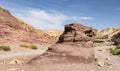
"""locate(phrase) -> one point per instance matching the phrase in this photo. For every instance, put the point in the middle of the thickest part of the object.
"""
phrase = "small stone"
(108, 64)
(99, 49)
(16, 61)
(107, 59)
(101, 63)
(96, 59)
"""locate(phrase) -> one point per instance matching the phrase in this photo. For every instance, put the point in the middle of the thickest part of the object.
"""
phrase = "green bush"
(115, 51)
(5, 48)
(29, 46)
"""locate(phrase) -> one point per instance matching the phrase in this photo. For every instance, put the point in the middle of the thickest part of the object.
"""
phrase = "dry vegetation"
(5, 48)
(114, 51)
(31, 46)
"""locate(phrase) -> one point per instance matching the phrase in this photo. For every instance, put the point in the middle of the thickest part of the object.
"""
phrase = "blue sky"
(54, 14)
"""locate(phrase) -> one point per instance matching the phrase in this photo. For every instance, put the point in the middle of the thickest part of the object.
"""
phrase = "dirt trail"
(100, 53)
(17, 51)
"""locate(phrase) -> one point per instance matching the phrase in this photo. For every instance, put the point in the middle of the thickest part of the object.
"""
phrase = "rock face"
(74, 45)
(13, 30)
(77, 33)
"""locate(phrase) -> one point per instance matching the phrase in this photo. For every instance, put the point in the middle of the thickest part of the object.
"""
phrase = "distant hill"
(13, 30)
(54, 33)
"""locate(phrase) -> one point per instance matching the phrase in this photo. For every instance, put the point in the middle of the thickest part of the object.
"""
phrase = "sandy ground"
(17, 51)
(7, 61)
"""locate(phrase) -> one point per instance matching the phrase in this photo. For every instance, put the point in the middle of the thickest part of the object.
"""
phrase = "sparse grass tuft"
(115, 51)
(29, 46)
(5, 48)
(33, 46)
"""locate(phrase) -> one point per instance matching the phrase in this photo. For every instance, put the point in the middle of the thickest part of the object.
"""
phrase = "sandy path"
(17, 51)
(100, 53)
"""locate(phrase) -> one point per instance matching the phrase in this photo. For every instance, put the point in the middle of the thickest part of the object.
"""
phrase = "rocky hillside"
(108, 33)
(107, 36)
(13, 30)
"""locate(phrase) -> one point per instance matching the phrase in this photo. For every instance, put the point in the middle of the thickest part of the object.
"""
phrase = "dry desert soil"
(17, 61)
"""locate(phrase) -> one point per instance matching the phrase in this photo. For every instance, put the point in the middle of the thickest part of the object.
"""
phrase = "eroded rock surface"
(77, 33)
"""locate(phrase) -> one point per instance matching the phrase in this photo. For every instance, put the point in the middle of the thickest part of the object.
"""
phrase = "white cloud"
(42, 19)
(85, 18)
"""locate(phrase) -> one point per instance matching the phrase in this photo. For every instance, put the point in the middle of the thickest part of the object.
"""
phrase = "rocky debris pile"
(74, 45)
(13, 30)
(116, 38)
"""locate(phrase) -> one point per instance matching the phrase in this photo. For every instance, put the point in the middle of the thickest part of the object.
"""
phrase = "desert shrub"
(31, 46)
(24, 45)
(5, 48)
(115, 51)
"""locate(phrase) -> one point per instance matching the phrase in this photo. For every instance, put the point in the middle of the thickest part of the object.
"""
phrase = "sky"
(54, 14)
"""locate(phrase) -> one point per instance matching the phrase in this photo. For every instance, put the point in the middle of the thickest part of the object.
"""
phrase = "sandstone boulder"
(77, 33)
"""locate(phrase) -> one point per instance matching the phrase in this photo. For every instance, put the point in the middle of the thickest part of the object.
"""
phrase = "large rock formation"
(77, 33)
(74, 45)
(13, 30)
